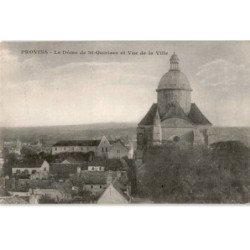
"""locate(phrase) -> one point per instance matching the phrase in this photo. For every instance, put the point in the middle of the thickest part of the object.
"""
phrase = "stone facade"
(118, 150)
(99, 147)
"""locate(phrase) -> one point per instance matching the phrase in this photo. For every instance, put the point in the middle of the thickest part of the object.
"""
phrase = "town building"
(174, 117)
(103, 148)
(118, 150)
(96, 168)
(50, 193)
(97, 181)
(99, 147)
(39, 169)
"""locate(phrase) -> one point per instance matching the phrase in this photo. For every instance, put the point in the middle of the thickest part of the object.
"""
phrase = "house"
(99, 147)
(54, 194)
(94, 181)
(113, 195)
(97, 181)
(39, 169)
(96, 168)
(118, 150)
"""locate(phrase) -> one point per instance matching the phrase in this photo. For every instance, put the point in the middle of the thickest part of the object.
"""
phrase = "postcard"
(125, 122)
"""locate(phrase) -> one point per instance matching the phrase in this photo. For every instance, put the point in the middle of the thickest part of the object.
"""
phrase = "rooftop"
(77, 143)
(195, 116)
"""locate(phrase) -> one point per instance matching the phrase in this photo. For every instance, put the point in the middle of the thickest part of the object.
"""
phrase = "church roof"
(197, 117)
(174, 79)
(148, 119)
(175, 110)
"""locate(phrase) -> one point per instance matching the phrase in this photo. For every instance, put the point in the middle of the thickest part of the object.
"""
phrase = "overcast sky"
(49, 89)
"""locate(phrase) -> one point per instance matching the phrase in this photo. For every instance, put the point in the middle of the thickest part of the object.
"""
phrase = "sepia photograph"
(125, 122)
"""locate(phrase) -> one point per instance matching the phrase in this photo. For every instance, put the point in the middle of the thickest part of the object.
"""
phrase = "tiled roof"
(28, 164)
(96, 177)
(66, 169)
(197, 117)
(148, 119)
(78, 143)
(118, 141)
(175, 111)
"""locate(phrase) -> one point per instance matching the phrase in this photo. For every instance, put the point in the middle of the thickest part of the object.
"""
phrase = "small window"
(100, 186)
(55, 149)
(91, 186)
(44, 169)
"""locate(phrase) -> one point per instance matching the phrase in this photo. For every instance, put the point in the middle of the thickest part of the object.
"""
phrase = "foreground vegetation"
(218, 174)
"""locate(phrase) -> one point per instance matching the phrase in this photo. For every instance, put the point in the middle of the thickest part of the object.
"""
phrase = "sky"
(66, 89)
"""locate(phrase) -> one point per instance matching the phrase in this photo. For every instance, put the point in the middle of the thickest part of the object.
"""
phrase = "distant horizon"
(59, 125)
(102, 123)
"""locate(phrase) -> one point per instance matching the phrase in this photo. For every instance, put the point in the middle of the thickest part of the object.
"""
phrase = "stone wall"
(165, 97)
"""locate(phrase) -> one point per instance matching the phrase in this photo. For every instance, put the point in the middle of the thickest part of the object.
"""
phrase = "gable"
(104, 142)
(112, 196)
(118, 145)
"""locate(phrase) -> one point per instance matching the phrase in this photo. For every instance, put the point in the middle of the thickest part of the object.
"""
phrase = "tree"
(196, 174)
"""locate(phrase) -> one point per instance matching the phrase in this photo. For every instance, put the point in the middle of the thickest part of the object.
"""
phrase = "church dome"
(174, 78)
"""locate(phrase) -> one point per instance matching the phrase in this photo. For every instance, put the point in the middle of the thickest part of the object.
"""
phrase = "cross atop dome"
(174, 62)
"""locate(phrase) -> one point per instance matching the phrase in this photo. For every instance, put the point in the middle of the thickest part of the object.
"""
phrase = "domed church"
(173, 117)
